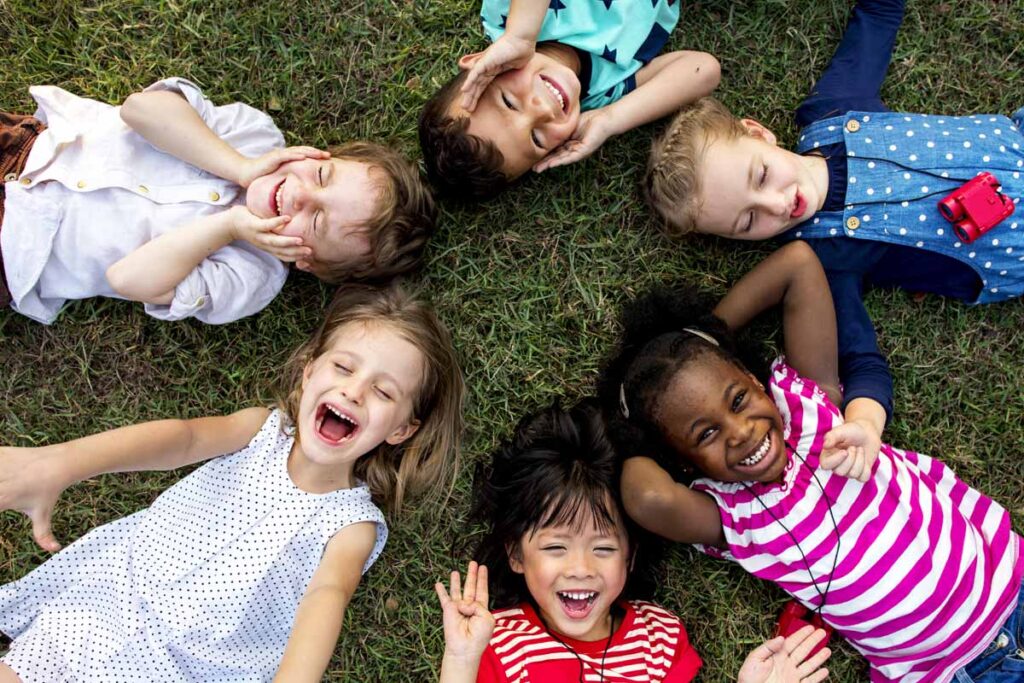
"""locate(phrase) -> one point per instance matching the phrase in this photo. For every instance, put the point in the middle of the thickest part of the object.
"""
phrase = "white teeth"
(277, 198)
(761, 451)
(346, 418)
(578, 596)
(558, 95)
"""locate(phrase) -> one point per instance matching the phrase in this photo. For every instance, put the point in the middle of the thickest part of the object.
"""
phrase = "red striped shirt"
(650, 646)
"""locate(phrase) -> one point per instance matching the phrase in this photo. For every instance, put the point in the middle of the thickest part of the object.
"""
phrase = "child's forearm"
(866, 410)
(169, 123)
(663, 86)
(666, 507)
(154, 270)
(455, 669)
(317, 625)
(152, 446)
(525, 18)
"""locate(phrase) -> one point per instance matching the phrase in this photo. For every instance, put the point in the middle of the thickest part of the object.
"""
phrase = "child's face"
(359, 393)
(575, 574)
(751, 189)
(526, 112)
(330, 201)
(718, 417)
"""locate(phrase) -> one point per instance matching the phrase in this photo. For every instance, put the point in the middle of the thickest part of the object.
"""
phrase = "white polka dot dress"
(201, 586)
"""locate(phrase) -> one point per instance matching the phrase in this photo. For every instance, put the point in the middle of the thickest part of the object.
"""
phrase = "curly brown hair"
(427, 462)
(460, 166)
(672, 182)
(401, 225)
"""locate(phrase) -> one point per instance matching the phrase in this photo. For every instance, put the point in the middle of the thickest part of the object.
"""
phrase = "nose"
(301, 195)
(354, 390)
(740, 431)
(580, 564)
(775, 204)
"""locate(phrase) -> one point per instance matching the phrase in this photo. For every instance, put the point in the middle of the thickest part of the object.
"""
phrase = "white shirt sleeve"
(234, 282)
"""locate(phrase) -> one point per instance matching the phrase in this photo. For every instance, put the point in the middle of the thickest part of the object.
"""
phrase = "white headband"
(624, 407)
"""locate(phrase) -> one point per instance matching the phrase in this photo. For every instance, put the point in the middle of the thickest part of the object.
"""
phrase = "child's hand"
(262, 233)
(785, 660)
(851, 449)
(30, 483)
(593, 129)
(467, 622)
(506, 53)
(252, 169)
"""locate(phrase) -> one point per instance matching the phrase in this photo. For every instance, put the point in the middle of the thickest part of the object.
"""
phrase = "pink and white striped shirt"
(926, 568)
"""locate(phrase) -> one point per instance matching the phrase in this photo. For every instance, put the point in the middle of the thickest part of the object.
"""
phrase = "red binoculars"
(975, 207)
(795, 616)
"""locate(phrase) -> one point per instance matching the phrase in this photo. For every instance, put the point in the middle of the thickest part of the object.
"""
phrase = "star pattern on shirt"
(504, 21)
(556, 5)
(609, 54)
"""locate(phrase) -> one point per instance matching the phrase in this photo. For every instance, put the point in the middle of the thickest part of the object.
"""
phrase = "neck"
(563, 54)
(314, 477)
(818, 169)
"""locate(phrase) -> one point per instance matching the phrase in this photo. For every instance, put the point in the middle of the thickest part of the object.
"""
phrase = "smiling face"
(358, 394)
(751, 189)
(719, 418)
(330, 202)
(574, 574)
(526, 112)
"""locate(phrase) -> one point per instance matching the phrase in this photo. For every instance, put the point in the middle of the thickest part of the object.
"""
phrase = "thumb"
(42, 533)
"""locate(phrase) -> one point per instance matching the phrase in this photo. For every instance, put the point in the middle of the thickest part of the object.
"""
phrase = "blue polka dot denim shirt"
(900, 165)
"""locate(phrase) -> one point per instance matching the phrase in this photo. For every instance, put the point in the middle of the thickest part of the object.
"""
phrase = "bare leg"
(7, 675)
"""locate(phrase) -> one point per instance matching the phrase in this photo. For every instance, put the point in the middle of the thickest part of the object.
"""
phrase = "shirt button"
(853, 125)
(853, 222)
(143, 189)
(10, 176)
(81, 184)
(214, 196)
(200, 302)
(26, 181)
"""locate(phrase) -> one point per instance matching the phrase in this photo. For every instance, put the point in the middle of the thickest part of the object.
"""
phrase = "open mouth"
(799, 206)
(557, 92)
(276, 197)
(334, 425)
(577, 604)
(759, 453)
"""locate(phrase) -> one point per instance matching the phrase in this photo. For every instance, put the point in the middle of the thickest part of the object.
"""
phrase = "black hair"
(558, 466)
(654, 347)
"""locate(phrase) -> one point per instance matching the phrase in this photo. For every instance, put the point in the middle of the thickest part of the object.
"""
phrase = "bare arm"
(31, 479)
(793, 277)
(664, 506)
(322, 609)
(151, 272)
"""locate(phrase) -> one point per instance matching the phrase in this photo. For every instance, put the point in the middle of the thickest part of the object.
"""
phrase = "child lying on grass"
(190, 208)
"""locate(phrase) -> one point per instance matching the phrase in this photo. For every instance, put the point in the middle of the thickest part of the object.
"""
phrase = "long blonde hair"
(672, 182)
(427, 462)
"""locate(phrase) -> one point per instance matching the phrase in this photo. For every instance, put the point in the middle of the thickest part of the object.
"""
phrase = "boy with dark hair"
(557, 81)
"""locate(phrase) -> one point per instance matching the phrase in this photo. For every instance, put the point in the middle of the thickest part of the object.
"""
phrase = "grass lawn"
(529, 284)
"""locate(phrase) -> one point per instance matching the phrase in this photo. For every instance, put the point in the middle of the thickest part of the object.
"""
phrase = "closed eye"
(508, 103)
(750, 223)
(320, 176)
(764, 175)
(383, 394)
(341, 368)
(536, 140)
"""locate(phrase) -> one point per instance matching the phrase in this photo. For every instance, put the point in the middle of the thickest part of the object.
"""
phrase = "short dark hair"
(654, 347)
(460, 166)
(558, 465)
(401, 225)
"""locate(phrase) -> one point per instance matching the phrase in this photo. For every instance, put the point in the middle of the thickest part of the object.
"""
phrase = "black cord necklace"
(611, 634)
(835, 560)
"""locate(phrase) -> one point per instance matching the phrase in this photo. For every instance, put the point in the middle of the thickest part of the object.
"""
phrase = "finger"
(803, 641)
(834, 459)
(474, 86)
(814, 661)
(290, 255)
(442, 595)
(816, 677)
(43, 534)
(482, 595)
(456, 589)
(843, 468)
(469, 594)
(559, 158)
(765, 650)
(857, 468)
(311, 152)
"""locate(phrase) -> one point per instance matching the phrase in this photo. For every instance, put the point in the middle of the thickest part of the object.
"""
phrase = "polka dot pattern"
(203, 585)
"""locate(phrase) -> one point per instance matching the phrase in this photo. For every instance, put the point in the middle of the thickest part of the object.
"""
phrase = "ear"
(466, 62)
(403, 432)
(515, 560)
(306, 372)
(758, 130)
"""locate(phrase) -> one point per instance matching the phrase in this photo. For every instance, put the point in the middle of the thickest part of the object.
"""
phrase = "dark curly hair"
(460, 166)
(653, 348)
(558, 466)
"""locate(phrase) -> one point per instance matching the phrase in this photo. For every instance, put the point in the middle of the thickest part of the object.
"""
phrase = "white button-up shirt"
(93, 190)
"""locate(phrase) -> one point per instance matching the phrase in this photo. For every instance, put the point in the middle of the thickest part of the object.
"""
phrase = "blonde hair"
(672, 182)
(427, 462)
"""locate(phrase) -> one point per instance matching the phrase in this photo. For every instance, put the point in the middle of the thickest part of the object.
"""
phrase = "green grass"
(529, 284)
